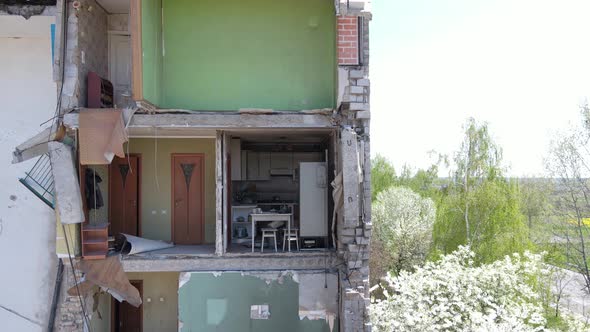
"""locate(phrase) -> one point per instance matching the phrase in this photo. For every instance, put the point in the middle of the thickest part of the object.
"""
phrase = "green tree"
(535, 204)
(569, 164)
(424, 181)
(402, 231)
(479, 206)
(382, 175)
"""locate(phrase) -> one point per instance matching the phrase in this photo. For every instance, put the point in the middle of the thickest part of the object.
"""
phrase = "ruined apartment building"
(209, 166)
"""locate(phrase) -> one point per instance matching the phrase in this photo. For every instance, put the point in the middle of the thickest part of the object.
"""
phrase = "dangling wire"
(80, 298)
(129, 159)
(156, 158)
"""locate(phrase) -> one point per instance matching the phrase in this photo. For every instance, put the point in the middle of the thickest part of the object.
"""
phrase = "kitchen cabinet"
(244, 165)
(236, 159)
(264, 160)
(252, 165)
(258, 165)
(281, 160)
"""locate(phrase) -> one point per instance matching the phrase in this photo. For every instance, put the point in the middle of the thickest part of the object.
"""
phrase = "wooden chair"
(293, 236)
(270, 233)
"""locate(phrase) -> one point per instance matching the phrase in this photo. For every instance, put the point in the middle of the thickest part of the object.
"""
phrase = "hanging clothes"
(93, 193)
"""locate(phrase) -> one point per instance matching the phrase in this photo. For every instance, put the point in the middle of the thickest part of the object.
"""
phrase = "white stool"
(270, 233)
(293, 236)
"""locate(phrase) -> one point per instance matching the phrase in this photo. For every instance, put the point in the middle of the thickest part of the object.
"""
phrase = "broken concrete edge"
(183, 278)
(222, 121)
(353, 7)
(267, 276)
(26, 9)
(37, 145)
(231, 264)
(68, 198)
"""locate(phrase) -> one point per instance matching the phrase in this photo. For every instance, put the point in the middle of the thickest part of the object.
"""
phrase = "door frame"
(202, 190)
(115, 303)
(112, 34)
(138, 155)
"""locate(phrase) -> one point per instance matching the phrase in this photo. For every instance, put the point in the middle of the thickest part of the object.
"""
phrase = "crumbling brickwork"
(354, 235)
(68, 314)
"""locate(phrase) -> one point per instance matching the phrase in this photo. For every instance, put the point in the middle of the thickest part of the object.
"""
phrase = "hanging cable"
(129, 159)
(156, 158)
(82, 302)
(64, 42)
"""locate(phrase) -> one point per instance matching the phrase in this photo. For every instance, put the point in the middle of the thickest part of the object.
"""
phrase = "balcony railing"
(39, 180)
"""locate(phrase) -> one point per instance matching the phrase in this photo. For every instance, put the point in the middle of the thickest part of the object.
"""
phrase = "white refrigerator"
(313, 199)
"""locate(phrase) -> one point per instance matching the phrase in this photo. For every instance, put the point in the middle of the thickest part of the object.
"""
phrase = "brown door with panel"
(187, 198)
(124, 195)
(128, 318)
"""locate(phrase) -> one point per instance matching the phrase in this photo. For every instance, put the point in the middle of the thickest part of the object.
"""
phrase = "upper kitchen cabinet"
(281, 160)
(236, 159)
(258, 166)
(223, 55)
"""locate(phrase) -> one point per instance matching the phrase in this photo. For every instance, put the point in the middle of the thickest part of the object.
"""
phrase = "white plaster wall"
(27, 225)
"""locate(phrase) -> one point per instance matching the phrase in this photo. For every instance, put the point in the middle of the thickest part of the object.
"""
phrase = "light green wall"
(151, 44)
(221, 302)
(231, 54)
(159, 316)
(102, 322)
(156, 187)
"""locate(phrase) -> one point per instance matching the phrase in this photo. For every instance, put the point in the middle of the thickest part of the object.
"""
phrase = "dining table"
(271, 216)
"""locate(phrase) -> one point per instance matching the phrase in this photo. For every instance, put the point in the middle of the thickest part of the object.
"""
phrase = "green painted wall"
(222, 303)
(231, 54)
(151, 43)
(159, 316)
(156, 198)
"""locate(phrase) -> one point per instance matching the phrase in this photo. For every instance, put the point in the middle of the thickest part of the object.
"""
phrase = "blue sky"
(523, 66)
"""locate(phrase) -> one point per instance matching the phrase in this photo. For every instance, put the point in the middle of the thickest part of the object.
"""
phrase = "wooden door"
(127, 318)
(124, 175)
(187, 198)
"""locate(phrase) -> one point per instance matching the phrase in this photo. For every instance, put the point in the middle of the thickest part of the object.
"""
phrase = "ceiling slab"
(28, 2)
(115, 6)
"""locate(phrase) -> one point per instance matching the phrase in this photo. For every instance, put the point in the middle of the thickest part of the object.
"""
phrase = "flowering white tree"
(402, 230)
(455, 295)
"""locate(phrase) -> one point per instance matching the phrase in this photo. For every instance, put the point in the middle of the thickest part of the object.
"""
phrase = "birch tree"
(477, 160)
(569, 164)
(480, 207)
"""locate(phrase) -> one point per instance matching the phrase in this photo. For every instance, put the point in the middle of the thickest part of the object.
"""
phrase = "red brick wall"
(348, 39)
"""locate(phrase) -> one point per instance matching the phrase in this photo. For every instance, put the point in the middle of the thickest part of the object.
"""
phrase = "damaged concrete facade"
(235, 122)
